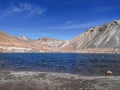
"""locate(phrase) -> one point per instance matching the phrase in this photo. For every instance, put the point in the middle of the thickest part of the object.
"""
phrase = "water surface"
(75, 63)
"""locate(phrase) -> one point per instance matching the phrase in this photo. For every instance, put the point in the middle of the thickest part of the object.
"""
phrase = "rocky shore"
(29, 80)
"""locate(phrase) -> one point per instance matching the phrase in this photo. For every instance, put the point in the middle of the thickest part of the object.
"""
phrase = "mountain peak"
(23, 38)
(117, 21)
(47, 39)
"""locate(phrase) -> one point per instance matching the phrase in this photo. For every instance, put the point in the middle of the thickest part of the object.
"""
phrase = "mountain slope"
(105, 36)
(50, 42)
(23, 38)
(9, 43)
(8, 40)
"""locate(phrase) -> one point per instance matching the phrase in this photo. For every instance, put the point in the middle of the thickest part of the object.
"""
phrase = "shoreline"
(26, 80)
(69, 52)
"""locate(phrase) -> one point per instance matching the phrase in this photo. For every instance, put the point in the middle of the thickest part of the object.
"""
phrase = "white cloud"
(69, 22)
(86, 25)
(106, 8)
(23, 8)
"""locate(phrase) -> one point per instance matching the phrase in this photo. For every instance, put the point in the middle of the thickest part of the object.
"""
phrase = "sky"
(60, 19)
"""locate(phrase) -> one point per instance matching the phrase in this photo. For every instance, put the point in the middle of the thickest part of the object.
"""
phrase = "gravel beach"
(29, 80)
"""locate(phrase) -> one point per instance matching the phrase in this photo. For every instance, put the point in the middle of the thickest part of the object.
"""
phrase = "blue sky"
(61, 19)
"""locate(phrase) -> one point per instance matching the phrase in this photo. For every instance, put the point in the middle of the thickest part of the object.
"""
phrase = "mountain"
(106, 36)
(9, 43)
(8, 40)
(53, 43)
(101, 39)
(23, 38)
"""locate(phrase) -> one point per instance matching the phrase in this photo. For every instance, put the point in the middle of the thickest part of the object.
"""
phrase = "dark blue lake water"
(85, 64)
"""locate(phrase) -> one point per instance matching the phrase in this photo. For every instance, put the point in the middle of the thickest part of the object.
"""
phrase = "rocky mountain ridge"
(50, 42)
(104, 38)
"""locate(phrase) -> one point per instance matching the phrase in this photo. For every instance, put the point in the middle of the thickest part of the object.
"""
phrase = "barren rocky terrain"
(99, 39)
(104, 36)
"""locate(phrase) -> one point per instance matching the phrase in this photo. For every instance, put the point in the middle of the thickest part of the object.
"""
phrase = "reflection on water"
(85, 64)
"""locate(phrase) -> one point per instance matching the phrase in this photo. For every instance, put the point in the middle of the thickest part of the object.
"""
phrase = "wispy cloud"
(23, 8)
(74, 26)
(106, 8)
(64, 1)
(69, 22)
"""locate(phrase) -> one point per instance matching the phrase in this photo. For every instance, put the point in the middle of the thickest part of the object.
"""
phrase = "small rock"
(109, 72)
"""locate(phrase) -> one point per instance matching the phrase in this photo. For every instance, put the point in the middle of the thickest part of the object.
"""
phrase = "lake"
(75, 63)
